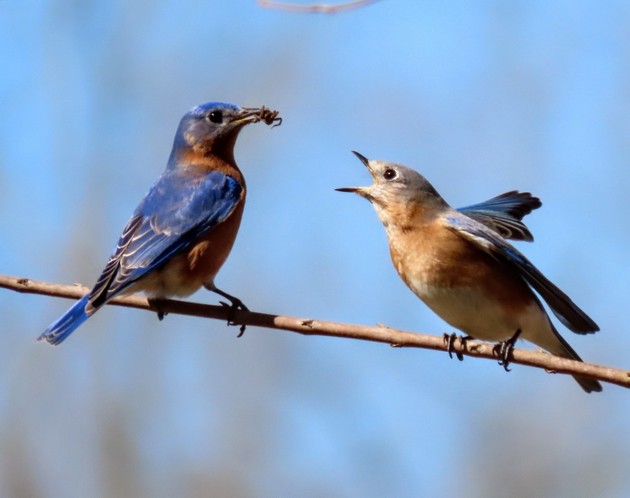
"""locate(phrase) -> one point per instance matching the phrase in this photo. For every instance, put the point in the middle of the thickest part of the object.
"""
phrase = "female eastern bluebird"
(182, 231)
(465, 271)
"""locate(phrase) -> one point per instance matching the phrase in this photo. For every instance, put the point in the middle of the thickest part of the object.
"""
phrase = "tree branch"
(316, 8)
(306, 326)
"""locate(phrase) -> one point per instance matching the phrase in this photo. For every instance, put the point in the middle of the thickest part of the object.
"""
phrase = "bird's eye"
(216, 117)
(389, 174)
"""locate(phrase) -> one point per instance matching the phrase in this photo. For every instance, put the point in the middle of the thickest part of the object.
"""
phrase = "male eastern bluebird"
(465, 271)
(182, 231)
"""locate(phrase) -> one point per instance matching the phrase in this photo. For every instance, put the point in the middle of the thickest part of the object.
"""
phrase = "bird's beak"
(362, 191)
(356, 190)
(248, 115)
(363, 159)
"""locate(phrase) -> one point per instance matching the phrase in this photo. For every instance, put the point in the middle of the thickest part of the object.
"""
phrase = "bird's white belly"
(171, 280)
(479, 316)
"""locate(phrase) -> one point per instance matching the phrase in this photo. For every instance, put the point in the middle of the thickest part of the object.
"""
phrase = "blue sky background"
(481, 97)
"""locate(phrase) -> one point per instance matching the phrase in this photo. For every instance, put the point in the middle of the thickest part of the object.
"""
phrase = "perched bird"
(182, 231)
(465, 271)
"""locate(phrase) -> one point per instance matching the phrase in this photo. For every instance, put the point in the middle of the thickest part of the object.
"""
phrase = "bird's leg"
(156, 304)
(235, 305)
(449, 341)
(504, 350)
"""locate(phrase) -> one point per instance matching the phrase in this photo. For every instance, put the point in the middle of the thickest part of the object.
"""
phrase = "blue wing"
(489, 241)
(504, 213)
(176, 211)
(171, 216)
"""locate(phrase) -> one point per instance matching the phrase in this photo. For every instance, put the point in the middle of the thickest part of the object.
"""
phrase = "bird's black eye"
(389, 174)
(216, 117)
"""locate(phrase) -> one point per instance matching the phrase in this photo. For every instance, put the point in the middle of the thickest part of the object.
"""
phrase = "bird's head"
(395, 185)
(212, 128)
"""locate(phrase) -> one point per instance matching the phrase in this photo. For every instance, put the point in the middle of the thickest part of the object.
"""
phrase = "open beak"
(362, 191)
(363, 159)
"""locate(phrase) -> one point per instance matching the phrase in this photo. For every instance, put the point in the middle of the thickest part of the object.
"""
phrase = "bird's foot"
(234, 307)
(449, 342)
(156, 304)
(503, 350)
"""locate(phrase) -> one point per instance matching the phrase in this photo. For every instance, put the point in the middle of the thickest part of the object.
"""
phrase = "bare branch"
(306, 326)
(316, 8)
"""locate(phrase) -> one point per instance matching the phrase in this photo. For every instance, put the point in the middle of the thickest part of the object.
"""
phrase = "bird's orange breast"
(207, 256)
(439, 258)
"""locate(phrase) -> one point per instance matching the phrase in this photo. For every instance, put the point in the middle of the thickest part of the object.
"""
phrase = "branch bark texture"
(309, 326)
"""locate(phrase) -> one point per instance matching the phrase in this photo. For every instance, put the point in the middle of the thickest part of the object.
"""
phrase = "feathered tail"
(560, 347)
(61, 328)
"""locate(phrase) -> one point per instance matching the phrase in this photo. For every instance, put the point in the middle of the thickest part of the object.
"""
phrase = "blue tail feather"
(57, 331)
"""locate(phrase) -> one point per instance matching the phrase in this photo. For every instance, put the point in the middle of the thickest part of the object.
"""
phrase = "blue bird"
(464, 270)
(182, 231)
